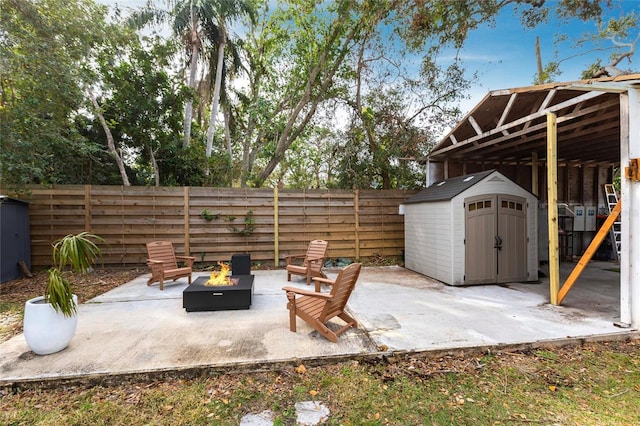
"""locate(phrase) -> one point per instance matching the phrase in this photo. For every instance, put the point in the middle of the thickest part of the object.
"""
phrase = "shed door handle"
(498, 243)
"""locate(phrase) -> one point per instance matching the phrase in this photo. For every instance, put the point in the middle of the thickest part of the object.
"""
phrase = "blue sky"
(504, 55)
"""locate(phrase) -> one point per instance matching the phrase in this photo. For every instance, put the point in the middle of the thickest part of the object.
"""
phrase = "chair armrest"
(319, 280)
(187, 259)
(156, 267)
(304, 292)
(289, 258)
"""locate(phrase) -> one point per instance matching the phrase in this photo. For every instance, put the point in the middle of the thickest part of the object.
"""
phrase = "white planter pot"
(45, 330)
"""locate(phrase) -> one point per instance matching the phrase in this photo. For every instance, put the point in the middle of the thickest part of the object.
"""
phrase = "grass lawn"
(594, 384)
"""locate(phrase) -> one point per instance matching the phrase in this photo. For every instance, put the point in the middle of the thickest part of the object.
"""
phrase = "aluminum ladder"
(611, 197)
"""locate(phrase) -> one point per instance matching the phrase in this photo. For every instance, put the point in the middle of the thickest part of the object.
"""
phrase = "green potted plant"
(50, 321)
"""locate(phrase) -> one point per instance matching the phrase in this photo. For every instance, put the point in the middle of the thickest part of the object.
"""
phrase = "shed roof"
(508, 126)
(6, 198)
(448, 188)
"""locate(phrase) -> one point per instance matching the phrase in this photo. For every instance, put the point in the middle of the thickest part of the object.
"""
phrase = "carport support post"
(534, 174)
(630, 196)
(552, 197)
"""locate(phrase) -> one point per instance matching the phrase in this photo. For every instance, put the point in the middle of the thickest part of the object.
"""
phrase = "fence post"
(187, 233)
(276, 241)
(87, 208)
(356, 210)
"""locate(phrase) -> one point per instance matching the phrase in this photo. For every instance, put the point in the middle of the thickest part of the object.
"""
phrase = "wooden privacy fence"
(214, 223)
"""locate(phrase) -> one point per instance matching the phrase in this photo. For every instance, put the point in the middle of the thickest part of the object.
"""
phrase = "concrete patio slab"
(137, 329)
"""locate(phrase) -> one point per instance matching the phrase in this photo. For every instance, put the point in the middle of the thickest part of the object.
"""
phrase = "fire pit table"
(200, 297)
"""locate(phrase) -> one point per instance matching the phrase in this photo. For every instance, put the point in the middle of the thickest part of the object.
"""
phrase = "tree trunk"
(227, 131)
(110, 142)
(193, 68)
(293, 129)
(319, 80)
(540, 78)
(249, 153)
(216, 97)
(154, 164)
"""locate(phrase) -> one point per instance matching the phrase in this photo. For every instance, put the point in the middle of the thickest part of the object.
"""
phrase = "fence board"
(356, 223)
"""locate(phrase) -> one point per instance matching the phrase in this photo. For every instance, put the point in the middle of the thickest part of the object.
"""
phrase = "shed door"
(495, 239)
(481, 259)
(512, 228)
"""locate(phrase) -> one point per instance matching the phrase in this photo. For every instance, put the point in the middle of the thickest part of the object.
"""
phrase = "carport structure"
(563, 142)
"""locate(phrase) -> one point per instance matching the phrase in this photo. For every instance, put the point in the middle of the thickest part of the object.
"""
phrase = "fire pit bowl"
(201, 297)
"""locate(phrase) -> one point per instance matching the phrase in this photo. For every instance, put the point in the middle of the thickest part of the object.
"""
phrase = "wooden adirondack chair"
(318, 308)
(163, 263)
(312, 263)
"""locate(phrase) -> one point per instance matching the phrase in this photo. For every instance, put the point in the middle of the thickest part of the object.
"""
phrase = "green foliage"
(383, 150)
(44, 46)
(59, 293)
(315, 40)
(614, 39)
(144, 105)
(329, 99)
(78, 253)
(249, 224)
(617, 179)
(208, 216)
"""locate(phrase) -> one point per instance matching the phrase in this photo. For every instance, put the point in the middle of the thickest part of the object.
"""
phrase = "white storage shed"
(475, 229)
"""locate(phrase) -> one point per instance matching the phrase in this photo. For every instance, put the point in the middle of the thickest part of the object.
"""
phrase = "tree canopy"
(295, 93)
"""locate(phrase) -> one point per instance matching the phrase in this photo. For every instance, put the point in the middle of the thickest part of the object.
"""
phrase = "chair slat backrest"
(342, 289)
(316, 249)
(163, 251)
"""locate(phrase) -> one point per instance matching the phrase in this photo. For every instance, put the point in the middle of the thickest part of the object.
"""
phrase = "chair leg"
(351, 322)
(288, 276)
(324, 330)
(292, 320)
(292, 311)
(161, 283)
(348, 319)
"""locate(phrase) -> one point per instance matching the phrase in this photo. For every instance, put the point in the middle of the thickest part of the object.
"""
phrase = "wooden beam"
(523, 136)
(530, 117)
(534, 110)
(547, 99)
(603, 232)
(507, 109)
(552, 197)
(534, 173)
(609, 87)
(474, 124)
